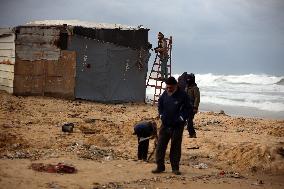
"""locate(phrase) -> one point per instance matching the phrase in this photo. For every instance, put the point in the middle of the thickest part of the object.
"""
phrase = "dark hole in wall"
(63, 39)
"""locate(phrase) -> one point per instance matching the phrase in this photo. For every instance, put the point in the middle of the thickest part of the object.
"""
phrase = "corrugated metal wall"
(109, 73)
(41, 67)
(7, 59)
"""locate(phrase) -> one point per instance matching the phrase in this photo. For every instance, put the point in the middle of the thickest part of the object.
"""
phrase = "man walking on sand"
(174, 108)
(193, 92)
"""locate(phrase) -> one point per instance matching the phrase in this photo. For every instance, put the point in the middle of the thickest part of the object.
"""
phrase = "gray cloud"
(219, 36)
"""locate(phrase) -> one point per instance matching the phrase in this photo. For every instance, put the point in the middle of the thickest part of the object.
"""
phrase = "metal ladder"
(155, 73)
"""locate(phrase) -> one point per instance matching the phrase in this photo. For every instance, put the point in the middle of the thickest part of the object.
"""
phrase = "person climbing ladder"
(162, 51)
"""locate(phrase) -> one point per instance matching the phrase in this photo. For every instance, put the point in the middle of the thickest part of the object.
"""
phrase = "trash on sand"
(201, 166)
(68, 127)
(119, 165)
(49, 168)
(108, 158)
(231, 174)
(89, 120)
(87, 130)
(193, 148)
(258, 182)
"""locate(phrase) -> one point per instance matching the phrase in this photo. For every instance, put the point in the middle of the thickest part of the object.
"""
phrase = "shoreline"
(239, 111)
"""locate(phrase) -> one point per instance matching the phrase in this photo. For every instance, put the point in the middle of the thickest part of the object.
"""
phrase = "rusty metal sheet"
(28, 85)
(29, 68)
(65, 66)
(48, 78)
(59, 87)
(60, 76)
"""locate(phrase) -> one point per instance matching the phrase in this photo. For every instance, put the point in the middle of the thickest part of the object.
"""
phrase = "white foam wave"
(251, 90)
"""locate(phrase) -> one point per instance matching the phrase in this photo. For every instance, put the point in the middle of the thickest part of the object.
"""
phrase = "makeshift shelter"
(72, 59)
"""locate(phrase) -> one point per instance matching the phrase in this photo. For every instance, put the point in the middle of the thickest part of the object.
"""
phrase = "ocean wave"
(261, 105)
(263, 92)
(281, 82)
(253, 79)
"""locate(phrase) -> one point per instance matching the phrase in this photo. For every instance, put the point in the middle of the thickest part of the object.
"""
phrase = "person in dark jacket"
(174, 108)
(144, 130)
(182, 80)
(193, 92)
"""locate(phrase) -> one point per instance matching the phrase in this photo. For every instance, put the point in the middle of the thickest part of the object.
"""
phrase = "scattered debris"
(87, 130)
(230, 175)
(258, 182)
(119, 165)
(201, 166)
(108, 158)
(240, 130)
(280, 151)
(89, 120)
(222, 173)
(52, 185)
(68, 127)
(49, 168)
(193, 148)
(91, 152)
(222, 112)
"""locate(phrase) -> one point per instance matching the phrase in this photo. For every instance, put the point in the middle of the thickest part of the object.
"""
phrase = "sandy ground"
(230, 152)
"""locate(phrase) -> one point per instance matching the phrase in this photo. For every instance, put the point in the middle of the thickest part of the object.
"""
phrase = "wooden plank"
(8, 45)
(7, 52)
(27, 38)
(7, 89)
(6, 68)
(7, 38)
(7, 60)
(7, 75)
(6, 82)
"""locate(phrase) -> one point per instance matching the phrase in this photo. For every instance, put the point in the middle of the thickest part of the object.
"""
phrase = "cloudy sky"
(210, 36)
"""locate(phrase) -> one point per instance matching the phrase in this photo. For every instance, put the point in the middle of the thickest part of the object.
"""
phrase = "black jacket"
(174, 109)
(144, 129)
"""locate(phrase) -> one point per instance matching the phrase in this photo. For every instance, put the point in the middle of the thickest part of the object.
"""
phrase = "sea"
(250, 95)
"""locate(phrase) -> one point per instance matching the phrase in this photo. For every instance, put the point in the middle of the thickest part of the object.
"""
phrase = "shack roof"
(86, 24)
